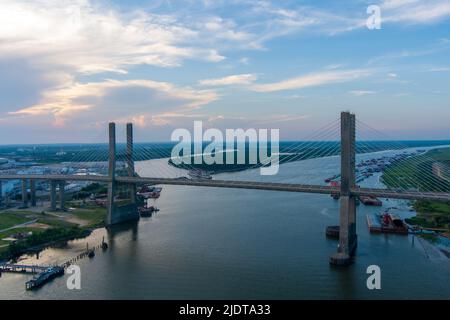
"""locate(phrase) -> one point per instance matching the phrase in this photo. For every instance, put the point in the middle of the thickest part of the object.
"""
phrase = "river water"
(208, 243)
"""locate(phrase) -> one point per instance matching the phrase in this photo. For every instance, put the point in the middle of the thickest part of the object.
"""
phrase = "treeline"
(45, 237)
(93, 188)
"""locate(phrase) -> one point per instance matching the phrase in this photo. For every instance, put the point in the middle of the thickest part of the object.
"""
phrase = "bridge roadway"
(272, 186)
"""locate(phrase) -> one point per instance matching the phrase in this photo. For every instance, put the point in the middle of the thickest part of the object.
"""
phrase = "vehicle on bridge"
(199, 175)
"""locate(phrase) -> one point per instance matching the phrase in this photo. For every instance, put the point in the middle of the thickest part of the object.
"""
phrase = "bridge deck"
(272, 186)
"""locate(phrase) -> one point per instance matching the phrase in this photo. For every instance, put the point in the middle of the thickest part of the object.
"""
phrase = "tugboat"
(147, 211)
(149, 191)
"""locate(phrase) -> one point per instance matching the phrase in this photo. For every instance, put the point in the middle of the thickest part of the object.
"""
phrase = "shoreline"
(41, 247)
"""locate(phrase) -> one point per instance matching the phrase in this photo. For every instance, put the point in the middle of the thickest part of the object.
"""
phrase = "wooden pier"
(21, 268)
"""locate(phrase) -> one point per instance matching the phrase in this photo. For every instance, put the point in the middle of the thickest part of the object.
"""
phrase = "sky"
(67, 68)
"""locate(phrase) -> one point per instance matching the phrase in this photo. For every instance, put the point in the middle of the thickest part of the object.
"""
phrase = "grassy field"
(417, 172)
(431, 215)
(94, 216)
(74, 223)
(8, 220)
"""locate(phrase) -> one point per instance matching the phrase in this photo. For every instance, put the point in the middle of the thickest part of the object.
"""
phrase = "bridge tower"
(347, 219)
(125, 212)
(130, 161)
(111, 173)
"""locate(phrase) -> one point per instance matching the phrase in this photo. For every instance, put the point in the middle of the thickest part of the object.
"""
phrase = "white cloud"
(360, 93)
(244, 61)
(229, 80)
(393, 4)
(116, 100)
(281, 118)
(90, 38)
(415, 11)
(439, 69)
(313, 79)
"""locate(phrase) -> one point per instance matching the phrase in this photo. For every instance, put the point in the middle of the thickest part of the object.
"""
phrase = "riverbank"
(432, 220)
(27, 231)
(415, 172)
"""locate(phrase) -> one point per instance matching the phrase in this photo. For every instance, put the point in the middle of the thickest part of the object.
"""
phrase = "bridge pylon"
(125, 212)
(347, 215)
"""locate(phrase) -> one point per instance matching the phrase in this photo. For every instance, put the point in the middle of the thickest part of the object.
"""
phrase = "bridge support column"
(33, 193)
(53, 195)
(120, 213)
(62, 185)
(111, 174)
(24, 194)
(347, 220)
(130, 161)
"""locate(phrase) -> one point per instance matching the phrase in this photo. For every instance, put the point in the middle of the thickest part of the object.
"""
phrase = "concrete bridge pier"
(347, 218)
(130, 162)
(24, 194)
(111, 174)
(33, 192)
(53, 184)
(62, 185)
(120, 213)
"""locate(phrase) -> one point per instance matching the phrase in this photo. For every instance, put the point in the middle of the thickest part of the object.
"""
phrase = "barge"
(386, 223)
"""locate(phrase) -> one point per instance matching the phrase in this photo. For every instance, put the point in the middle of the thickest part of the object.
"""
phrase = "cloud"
(115, 100)
(415, 11)
(281, 118)
(91, 38)
(439, 69)
(313, 79)
(360, 93)
(229, 80)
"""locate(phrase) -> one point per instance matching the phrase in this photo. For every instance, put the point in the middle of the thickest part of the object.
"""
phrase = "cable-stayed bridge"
(420, 176)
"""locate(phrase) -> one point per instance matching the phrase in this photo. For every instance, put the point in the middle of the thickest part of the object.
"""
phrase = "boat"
(147, 211)
(149, 191)
(328, 180)
(44, 277)
(371, 201)
(386, 223)
(332, 232)
(199, 175)
(91, 254)
(335, 195)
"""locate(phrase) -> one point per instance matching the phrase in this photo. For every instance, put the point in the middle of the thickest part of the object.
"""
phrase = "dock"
(20, 268)
(43, 277)
(42, 274)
